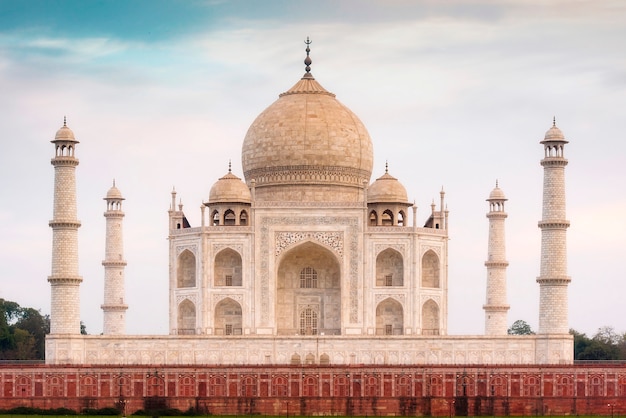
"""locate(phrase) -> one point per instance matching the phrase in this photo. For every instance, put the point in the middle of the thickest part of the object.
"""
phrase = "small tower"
(64, 279)
(114, 307)
(553, 279)
(496, 307)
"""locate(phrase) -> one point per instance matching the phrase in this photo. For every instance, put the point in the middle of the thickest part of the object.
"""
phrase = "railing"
(430, 332)
(224, 331)
(386, 331)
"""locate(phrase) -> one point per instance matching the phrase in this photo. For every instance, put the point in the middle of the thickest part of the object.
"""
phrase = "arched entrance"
(308, 292)
(228, 319)
(389, 318)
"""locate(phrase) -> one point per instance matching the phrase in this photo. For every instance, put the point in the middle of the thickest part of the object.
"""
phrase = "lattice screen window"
(389, 280)
(308, 278)
(308, 322)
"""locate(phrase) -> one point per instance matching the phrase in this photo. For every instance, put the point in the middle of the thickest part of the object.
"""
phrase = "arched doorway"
(228, 319)
(389, 318)
(186, 318)
(308, 292)
(430, 318)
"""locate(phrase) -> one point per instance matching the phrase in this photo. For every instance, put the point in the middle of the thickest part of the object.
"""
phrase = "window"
(308, 322)
(389, 280)
(388, 329)
(229, 280)
(308, 278)
(228, 329)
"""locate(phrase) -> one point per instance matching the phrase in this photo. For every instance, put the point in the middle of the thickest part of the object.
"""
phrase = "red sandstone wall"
(315, 390)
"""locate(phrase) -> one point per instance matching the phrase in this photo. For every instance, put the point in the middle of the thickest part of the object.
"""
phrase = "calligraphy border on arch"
(353, 245)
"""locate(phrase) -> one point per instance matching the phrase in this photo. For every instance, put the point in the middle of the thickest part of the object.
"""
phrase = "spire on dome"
(229, 166)
(64, 121)
(553, 120)
(307, 60)
(386, 167)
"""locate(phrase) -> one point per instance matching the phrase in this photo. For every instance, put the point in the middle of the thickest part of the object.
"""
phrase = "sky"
(454, 94)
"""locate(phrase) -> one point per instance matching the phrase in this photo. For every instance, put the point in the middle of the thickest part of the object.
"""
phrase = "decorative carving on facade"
(400, 297)
(281, 204)
(309, 174)
(435, 298)
(352, 224)
(401, 248)
(191, 296)
(426, 248)
(221, 296)
(193, 248)
(333, 240)
(236, 247)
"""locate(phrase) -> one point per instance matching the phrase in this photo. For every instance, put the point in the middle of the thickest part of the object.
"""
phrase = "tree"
(520, 327)
(22, 332)
(606, 344)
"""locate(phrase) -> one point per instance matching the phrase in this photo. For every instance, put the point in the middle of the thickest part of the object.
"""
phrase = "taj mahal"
(310, 256)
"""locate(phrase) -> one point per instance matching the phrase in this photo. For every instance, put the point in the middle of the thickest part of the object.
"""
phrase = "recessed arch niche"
(297, 298)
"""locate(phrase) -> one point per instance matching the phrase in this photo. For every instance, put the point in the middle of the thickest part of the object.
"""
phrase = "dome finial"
(496, 183)
(229, 166)
(64, 121)
(307, 60)
(553, 120)
(386, 167)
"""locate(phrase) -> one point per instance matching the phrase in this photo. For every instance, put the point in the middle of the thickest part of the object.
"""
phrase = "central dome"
(307, 146)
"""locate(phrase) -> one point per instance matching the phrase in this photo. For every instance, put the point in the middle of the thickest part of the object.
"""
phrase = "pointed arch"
(387, 218)
(186, 269)
(389, 268)
(389, 317)
(243, 218)
(215, 218)
(228, 317)
(430, 318)
(401, 218)
(373, 218)
(227, 269)
(186, 318)
(229, 217)
(430, 270)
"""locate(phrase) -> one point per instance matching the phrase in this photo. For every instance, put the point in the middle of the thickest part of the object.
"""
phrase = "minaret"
(553, 279)
(114, 307)
(496, 307)
(64, 279)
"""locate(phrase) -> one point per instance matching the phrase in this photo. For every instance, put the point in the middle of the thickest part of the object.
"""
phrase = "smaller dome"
(114, 193)
(497, 194)
(387, 189)
(554, 134)
(230, 189)
(64, 133)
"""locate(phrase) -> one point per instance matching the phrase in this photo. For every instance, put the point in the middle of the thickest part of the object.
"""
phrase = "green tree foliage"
(606, 344)
(520, 327)
(22, 332)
